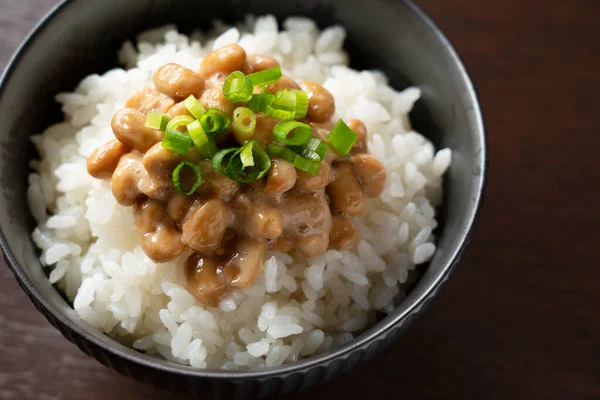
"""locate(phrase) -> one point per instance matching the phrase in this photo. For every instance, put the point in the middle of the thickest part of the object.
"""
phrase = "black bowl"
(81, 37)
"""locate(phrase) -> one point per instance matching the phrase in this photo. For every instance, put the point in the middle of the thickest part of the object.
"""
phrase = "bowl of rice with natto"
(306, 295)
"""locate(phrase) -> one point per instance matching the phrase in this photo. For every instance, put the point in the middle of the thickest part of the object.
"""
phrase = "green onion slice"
(314, 149)
(247, 157)
(194, 107)
(306, 165)
(249, 163)
(318, 146)
(301, 103)
(283, 105)
(260, 102)
(237, 87)
(342, 138)
(157, 120)
(308, 154)
(285, 99)
(292, 132)
(265, 77)
(176, 178)
(179, 121)
(279, 113)
(221, 160)
(279, 151)
(214, 122)
(244, 121)
(262, 159)
(277, 96)
(263, 90)
(302, 163)
(177, 142)
(206, 145)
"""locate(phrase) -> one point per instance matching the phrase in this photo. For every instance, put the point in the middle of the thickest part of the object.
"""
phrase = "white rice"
(296, 307)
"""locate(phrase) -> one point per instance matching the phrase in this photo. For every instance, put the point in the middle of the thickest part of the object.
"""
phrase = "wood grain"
(520, 317)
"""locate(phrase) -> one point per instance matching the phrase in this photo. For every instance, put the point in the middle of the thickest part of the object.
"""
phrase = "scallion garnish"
(214, 122)
(306, 165)
(237, 87)
(309, 155)
(301, 103)
(299, 162)
(279, 113)
(247, 157)
(221, 159)
(342, 138)
(292, 132)
(244, 121)
(244, 164)
(279, 151)
(260, 102)
(177, 181)
(206, 145)
(157, 120)
(177, 142)
(314, 149)
(262, 159)
(265, 77)
(317, 146)
(285, 99)
(282, 106)
(302, 163)
(248, 163)
(194, 107)
(178, 121)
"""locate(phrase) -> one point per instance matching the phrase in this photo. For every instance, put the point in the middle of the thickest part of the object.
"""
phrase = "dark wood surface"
(520, 318)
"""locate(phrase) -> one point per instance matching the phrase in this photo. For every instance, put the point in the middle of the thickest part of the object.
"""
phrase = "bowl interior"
(81, 38)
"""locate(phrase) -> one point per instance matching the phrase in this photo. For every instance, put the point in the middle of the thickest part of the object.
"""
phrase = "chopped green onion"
(260, 102)
(235, 169)
(279, 95)
(306, 165)
(247, 157)
(283, 105)
(314, 149)
(301, 103)
(237, 87)
(285, 99)
(318, 146)
(342, 138)
(308, 154)
(177, 182)
(214, 122)
(177, 142)
(283, 152)
(157, 120)
(179, 121)
(221, 159)
(194, 107)
(249, 163)
(263, 90)
(265, 77)
(244, 121)
(206, 145)
(279, 113)
(292, 132)
(261, 158)
(299, 162)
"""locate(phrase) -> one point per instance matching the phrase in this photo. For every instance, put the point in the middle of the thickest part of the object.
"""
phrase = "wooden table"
(520, 318)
